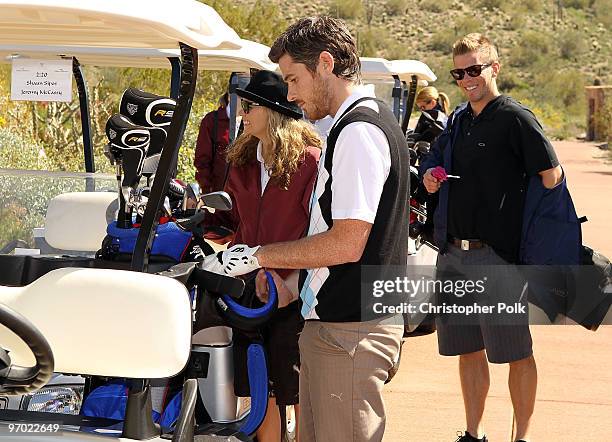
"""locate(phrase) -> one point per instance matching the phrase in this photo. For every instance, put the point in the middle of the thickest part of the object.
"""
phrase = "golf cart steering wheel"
(15, 380)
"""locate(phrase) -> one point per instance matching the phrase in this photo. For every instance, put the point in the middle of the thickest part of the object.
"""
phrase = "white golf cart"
(110, 322)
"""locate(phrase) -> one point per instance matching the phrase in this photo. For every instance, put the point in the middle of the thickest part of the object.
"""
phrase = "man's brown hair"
(476, 43)
(304, 41)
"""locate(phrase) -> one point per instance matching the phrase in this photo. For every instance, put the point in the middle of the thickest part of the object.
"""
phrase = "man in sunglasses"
(493, 144)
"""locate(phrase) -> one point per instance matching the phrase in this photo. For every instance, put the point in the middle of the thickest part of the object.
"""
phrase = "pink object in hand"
(439, 173)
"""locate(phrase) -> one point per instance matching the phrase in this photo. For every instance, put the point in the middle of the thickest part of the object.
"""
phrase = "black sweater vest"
(339, 299)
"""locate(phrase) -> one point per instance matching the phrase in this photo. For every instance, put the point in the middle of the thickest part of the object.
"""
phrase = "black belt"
(466, 244)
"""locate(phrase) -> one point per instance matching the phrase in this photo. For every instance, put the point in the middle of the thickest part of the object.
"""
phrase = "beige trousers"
(343, 369)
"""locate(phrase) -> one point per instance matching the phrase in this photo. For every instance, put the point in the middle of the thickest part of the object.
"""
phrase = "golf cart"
(395, 82)
(73, 279)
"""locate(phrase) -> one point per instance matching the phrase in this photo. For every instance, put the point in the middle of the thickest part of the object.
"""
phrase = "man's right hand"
(431, 183)
(285, 297)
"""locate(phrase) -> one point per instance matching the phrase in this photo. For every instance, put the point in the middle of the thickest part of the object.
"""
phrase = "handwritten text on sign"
(41, 80)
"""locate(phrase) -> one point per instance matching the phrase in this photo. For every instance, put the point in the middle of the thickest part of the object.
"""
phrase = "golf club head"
(414, 180)
(414, 156)
(191, 197)
(167, 210)
(176, 193)
(139, 201)
(422, 147)
(217, 200)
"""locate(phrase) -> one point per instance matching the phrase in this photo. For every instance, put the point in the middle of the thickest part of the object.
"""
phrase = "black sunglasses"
(247, 105)
(473, 71)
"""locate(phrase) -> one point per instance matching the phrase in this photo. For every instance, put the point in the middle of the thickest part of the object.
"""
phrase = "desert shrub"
(508, 81)
(261, 22)
(396, 7)
(371, 41)
(562, 89)
(346, 9)
(529, 5)
(490, 4)
(603, 121)
(517, 20)
(571, 45)
(532, 48)
(395, 50)
(467, 24)
(576, 4)
(443, 40)
(19, 153)
(435, 6)
(603, 12)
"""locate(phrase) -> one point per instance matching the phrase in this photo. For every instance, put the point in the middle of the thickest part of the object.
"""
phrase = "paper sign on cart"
(41, 80)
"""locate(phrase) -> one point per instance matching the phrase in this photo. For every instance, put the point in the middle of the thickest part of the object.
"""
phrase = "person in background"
(211, 146)
(435, 104)
(496, 145)
(272, 170)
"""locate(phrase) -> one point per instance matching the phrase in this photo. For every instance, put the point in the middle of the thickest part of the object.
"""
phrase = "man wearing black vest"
(359, 216)
(493, 145)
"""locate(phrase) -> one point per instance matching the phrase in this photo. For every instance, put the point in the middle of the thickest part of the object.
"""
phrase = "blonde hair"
(290, 138)
(476, 42)
(431, 93)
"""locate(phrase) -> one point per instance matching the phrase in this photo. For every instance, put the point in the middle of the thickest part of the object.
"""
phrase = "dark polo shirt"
(494, 154)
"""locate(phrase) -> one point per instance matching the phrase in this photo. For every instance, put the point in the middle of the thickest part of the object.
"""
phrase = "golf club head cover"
(147, 109)
(128, 143)
(154, 112)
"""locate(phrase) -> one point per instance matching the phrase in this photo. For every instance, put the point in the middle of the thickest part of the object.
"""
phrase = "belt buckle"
(465, 244)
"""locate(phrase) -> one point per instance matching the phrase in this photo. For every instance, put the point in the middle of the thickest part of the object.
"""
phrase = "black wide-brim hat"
(268, 89)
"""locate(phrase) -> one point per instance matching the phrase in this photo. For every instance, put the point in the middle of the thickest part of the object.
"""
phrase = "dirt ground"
(574, 401)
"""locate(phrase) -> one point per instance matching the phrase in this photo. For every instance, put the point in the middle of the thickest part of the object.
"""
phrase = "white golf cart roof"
(380, 69)
(156, 24)
(407, 68)
(375, 69)
(249, 55)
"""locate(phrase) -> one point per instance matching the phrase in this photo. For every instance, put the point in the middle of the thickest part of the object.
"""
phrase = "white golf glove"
(235, 261)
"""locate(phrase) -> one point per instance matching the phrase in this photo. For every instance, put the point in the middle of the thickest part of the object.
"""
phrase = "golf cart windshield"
(25, 196)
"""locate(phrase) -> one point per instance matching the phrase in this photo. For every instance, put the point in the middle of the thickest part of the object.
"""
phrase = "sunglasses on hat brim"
(473, 71)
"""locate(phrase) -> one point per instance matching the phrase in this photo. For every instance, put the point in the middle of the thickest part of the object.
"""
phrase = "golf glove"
(235, 261)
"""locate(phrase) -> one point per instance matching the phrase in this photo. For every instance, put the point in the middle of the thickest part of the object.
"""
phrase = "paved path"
(574, 365)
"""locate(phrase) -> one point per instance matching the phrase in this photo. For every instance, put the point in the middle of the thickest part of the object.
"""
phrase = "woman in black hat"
(273, 166)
